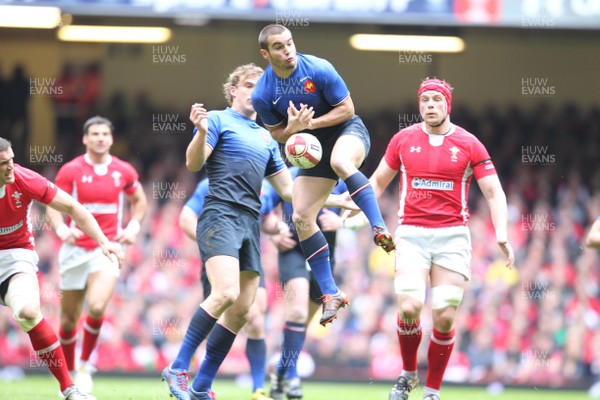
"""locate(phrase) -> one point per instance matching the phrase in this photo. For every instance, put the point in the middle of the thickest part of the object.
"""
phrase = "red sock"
(47, 347)
(68, 341)
(91, 330)
(438, 355)
(409, 337)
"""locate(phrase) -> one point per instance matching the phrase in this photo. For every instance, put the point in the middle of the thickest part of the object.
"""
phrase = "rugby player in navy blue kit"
(256, 349)
(238, 154)
(300, 93)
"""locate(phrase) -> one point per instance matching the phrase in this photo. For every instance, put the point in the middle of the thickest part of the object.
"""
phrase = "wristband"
(62, 230)
(133, 226)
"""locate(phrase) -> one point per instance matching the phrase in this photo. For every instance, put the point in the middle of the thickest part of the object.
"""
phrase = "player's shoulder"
(464, 135)
(74, 165)
(410, 131)
(23, 174)
(120, 163)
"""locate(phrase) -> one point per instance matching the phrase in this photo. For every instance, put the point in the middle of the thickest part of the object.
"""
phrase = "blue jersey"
(272, 199)
(243, 154)
(196, 202)
(314, 82)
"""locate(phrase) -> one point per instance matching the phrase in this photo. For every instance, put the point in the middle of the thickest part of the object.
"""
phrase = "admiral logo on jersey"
(421, 183)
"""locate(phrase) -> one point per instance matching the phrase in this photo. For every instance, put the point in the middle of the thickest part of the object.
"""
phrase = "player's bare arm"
(139, 204)
(198, 151)
(593, 237)
(65, 233)
(338, 114)
(188, 221)
(494, 194)
(64, 203)
(382, 177)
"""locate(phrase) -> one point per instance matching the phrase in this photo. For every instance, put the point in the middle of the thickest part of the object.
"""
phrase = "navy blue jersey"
(314, 82)
(196, 202)
(243, 154)
(272, 199)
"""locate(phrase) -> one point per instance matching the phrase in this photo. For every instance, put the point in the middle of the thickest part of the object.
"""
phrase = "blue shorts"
(328, 137)
(225, 231)
(292, 264)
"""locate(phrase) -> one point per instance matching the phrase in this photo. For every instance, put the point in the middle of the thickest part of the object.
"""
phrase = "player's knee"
(96, 309)
(443, 320)
(342, 166)
(27, 316)
(298, 315)
(227, 296)
(68, 321)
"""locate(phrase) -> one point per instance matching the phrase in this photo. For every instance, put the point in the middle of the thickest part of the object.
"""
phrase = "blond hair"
(238, 75)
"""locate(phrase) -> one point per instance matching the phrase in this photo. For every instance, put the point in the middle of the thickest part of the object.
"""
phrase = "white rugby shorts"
(76, 263)
(448, 247)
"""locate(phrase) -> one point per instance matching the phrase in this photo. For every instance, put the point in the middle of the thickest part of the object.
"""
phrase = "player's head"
(277, 47)
(98, 135)
(7, 166)
(239, 85)
(435, 100)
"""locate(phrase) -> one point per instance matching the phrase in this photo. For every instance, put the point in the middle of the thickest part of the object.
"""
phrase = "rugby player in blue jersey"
(301, 291)
(300, 93)
(238, 154)
(256, 349)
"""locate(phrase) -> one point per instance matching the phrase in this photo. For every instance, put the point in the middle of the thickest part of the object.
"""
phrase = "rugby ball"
(303, 150)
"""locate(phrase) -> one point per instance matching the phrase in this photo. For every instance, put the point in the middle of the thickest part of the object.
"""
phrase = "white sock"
(427, 391)
(410, 374)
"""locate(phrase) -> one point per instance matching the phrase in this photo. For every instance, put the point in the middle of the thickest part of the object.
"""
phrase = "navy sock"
(293, 340)
(316, 251)
(256, 351)
(363, 195)
(217, 347)
(200, 326)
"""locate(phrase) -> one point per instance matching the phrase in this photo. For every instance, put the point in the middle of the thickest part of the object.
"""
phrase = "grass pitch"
(46, 388)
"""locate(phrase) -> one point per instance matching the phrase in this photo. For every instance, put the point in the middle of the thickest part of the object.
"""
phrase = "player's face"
(281, 52)
(7, 167)
(241, 95)
(98, 139)
(433, 109)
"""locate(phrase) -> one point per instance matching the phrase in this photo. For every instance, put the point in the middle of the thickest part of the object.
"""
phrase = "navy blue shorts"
(225, 231)
(328, 137)
(292, 264)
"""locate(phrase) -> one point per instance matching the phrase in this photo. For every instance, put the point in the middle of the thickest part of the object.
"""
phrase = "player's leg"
(412, 269)
(100, 286)
(74, 269)
(309, 195)
(23, 298)
(348, 154)
(71, 302)
(449, 275)
(222, 336)
(256, 348)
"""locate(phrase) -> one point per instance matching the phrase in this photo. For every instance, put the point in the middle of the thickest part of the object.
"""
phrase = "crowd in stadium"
(536, 323)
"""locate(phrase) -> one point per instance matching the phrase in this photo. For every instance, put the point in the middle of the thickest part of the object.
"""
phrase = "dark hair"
(97, 120)
(267, 31)
(4, 144)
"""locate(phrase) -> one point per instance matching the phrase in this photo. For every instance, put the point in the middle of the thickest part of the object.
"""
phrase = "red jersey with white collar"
(435, 173)
(15, 203)
(99, 188)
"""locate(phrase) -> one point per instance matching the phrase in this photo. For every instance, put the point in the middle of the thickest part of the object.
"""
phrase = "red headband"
(439, 86)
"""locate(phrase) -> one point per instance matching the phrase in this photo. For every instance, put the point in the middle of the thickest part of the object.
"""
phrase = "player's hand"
(299, 119)
(67, 234)
(284, 240)
(330, 221)
(113, 252)
(508, 252)
(129, 234)
(199, 117)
